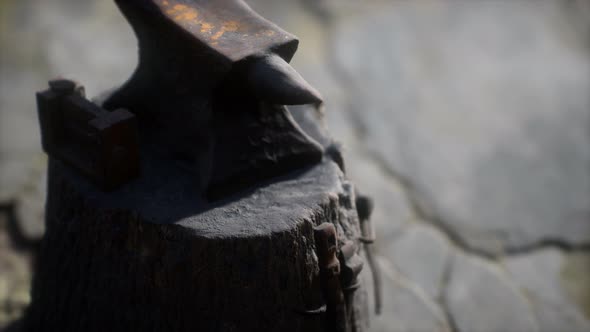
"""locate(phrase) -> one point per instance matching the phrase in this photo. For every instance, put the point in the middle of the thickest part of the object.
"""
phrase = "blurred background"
(468, 121)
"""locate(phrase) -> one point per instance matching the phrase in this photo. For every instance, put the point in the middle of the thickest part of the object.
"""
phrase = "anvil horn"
(195, 45)
(273, 80)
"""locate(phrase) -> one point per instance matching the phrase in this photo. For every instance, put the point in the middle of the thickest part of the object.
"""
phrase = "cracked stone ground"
(466, 120)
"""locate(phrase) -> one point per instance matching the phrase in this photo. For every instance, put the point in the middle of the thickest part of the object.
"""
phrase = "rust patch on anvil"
(230, 27)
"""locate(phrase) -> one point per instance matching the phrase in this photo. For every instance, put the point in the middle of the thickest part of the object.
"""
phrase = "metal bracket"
(326, 241)
(364, 207)
(100, 144)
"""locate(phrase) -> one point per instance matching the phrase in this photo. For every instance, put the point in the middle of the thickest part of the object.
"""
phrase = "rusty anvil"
(210, 88)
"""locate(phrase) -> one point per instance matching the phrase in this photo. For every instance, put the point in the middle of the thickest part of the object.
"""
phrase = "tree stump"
(153, 256)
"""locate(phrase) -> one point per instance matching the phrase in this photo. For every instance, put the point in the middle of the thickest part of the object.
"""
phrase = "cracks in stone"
(454, 236)
(360, 131)
(422, 214)
(348, 84)
(458, 242)
(442, 298)
(557, 244)
(528, 298)
(391, 272)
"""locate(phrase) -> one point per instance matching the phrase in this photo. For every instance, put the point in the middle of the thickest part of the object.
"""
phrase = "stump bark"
(154, 256)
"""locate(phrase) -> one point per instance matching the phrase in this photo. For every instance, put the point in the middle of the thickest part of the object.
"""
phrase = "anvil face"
(229, 27)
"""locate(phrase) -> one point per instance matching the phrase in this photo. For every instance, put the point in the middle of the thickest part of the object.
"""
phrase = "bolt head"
(62, 85)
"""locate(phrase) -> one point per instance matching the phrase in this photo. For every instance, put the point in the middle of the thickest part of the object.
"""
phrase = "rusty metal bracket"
(100, 144)
(364, 207)
(352, 265)
(326, 241)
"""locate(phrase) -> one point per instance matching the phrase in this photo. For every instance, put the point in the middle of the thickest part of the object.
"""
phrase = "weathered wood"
(153, 256)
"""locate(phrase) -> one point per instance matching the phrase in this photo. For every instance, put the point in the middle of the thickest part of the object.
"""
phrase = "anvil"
(210, 88)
